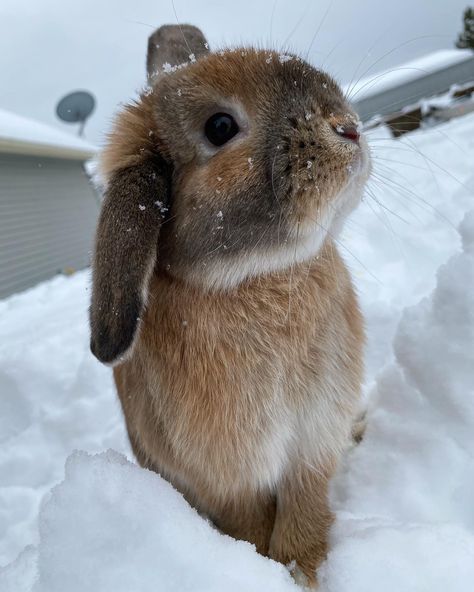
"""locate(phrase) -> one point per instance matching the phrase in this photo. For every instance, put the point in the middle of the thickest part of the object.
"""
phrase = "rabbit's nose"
(347, 131)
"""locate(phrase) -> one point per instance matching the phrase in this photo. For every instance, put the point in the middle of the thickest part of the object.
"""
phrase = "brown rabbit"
(219, 294)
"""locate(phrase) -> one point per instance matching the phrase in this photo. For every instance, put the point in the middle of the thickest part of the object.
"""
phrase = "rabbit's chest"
(224, 424)
(238, 423)
(230, 392)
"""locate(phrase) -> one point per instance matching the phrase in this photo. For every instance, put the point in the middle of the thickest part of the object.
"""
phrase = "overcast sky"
(50, 47)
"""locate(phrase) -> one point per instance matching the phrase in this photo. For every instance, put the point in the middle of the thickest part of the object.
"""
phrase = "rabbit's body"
(244, 386)
(234, 325)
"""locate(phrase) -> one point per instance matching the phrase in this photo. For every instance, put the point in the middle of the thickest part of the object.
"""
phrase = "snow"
(137, 510)
(422, 185)
(17, 130)
(417, 68)
(418, 452)
(54, 398)
(403, 497)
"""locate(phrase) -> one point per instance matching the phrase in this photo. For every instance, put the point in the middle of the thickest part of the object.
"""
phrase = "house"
(395, 92)
(48, 207)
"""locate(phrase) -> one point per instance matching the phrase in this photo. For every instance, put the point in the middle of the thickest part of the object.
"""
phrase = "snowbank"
(113, 526)
(405, 518)
(417, 458)
(55, 397)
(421, 187)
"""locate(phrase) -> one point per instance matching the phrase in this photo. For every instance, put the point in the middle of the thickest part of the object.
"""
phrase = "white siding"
(48, 213)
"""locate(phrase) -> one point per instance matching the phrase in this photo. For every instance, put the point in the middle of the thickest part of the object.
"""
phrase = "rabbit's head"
(238, 164)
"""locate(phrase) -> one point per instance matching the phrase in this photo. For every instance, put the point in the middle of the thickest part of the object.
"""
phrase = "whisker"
(382, 185)
(371, 194)
(181, 28)
(339, 243)
(408, 164)
(139, 23)
(321, 23)
(413, 39)
(271, 20)
(427, 158)
(402, 189)
(375, 79)
(349, 86)
(298, 23)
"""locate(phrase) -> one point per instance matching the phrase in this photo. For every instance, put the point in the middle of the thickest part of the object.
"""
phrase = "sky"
(51, 47)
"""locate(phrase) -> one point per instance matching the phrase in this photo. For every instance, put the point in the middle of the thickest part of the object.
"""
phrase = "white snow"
(417, 68)
(421, 187)
(418, 452)
(150, 537)
(403, 499)
(16, 130)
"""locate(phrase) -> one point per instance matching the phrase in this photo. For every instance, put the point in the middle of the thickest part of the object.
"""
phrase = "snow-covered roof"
(21, 135)
(399, 75)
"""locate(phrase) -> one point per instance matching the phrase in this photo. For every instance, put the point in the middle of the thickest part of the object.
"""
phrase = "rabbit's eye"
(220, 128)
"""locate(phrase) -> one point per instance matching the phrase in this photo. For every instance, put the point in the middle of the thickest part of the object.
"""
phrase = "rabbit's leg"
(302, 522)
(249, 518)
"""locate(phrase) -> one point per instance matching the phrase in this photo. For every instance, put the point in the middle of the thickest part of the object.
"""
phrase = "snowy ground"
(404, 499)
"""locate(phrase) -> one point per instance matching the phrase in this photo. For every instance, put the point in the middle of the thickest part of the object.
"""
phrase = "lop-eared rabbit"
(219, 295)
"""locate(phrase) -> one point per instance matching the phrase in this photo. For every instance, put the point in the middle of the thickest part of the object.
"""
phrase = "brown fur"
(196, 392)
(242, 392)
(130, 142)
(171, 45)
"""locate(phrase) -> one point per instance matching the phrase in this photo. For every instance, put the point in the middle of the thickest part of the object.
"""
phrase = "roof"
(21, 135)
(417, 68)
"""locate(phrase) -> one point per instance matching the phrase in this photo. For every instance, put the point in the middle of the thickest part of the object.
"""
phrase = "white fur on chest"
(313, 434)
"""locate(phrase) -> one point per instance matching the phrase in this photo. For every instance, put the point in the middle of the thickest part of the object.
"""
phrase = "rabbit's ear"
(173, 45)
(125, 253)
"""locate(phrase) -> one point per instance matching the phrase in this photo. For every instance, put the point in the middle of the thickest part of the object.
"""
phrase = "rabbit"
(219, 295)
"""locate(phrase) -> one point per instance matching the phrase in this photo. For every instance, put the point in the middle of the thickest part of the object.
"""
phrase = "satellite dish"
(76, 107)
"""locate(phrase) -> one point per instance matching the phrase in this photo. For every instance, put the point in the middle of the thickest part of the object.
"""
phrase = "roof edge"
(23, 147)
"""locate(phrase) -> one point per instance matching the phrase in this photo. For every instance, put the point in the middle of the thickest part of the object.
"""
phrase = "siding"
(428, 85)
(48, 213)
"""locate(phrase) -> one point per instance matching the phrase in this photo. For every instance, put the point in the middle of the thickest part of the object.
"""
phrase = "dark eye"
(220, 128)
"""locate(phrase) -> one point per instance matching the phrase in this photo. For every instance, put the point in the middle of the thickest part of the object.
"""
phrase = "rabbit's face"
(267, 161)
(234, 166)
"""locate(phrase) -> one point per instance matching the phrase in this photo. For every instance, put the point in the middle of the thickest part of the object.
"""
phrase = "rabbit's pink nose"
(349, 132)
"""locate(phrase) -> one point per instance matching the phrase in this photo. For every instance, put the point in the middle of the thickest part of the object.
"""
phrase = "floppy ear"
(125, 253)
(173, 45)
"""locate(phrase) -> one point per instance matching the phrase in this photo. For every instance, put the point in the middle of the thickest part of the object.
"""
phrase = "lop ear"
(173, 45)
(125, 253)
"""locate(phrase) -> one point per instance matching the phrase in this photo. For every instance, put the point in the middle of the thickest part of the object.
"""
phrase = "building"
(48, 207)
(394, 90)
